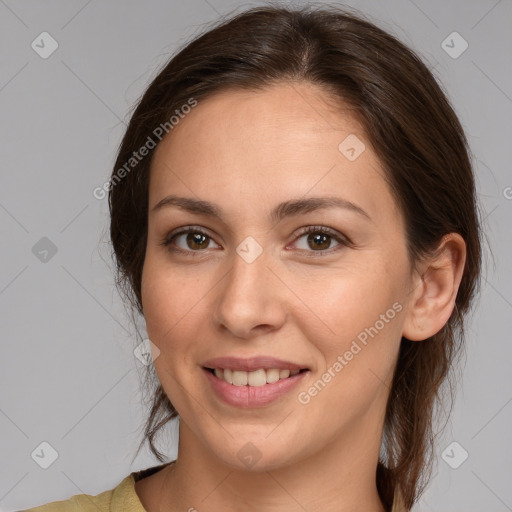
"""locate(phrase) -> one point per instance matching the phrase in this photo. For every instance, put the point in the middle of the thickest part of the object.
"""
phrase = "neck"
(340, 478)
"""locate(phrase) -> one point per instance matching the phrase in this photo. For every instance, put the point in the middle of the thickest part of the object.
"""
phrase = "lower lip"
(252, 396)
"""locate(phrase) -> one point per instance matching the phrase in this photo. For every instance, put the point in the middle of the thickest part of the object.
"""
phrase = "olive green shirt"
(122, 498)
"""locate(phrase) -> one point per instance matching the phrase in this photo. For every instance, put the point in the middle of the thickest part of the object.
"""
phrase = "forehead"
(254, 148)
(278, 116)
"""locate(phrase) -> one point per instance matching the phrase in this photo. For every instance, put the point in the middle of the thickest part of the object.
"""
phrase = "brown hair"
(413, 130)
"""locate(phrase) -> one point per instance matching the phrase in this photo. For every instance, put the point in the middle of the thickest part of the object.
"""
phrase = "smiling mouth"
(256, 378)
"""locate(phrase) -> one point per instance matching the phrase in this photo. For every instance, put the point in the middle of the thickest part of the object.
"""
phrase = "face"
(251, 284)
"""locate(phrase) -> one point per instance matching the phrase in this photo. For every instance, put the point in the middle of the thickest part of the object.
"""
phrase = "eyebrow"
(285, 209)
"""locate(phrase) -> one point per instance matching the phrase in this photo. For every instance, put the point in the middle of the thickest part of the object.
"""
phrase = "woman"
(293, 213)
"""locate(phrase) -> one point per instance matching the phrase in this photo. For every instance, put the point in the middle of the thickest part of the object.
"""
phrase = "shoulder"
(121, 498)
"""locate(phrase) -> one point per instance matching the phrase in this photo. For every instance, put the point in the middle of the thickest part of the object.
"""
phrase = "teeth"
(255, 378)
(272, 376)
(239, 378)
(228, 375)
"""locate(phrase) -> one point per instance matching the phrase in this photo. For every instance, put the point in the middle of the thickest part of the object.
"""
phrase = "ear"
(435, 288)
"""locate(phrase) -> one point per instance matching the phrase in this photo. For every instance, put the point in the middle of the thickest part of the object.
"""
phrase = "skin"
(247, 151)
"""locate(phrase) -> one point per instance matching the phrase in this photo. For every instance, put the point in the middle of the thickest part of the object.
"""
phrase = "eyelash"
(323, 230)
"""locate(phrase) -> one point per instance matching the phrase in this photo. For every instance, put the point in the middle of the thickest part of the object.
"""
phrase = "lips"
(252, 382)
(252, 364)
(248, 396)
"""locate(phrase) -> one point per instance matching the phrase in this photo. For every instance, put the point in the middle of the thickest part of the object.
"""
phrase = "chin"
(254, 453)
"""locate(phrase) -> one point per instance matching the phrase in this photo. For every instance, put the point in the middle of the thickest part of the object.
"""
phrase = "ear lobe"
(434, 296)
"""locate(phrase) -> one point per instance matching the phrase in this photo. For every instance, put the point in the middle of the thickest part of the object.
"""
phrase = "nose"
(251, 298)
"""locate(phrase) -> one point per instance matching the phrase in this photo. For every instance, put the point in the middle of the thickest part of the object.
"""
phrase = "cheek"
(162, 301)
(342, 307)
(167, 292)
(174, 302)
(356, 330)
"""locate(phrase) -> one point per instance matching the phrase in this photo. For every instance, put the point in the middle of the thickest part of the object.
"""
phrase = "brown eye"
(196, 240)
(318, 239)
(188, 240)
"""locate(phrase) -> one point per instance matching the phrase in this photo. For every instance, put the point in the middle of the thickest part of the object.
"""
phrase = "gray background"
(67, 368)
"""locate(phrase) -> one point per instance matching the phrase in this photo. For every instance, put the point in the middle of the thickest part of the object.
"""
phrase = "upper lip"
(251, 363)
